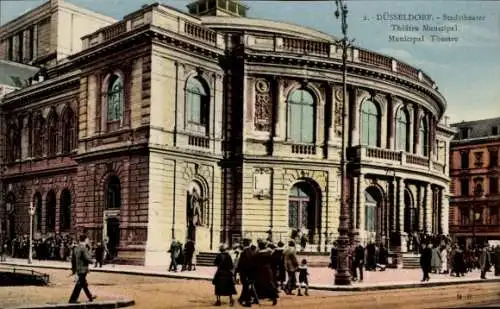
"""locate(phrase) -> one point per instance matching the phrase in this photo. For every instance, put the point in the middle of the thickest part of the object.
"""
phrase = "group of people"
(262, 270)
(456, 261)
(182, 256)
(54, 247)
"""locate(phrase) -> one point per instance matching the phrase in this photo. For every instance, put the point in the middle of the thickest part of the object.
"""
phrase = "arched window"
(39, 136)
(37, 220)
(301, 116)
(402, 130)
(52, 134)
(423, 138)
(115, 98)
(11, 149)
(197, 101)
(50, 211)
(65, 211)
(68, 131)
(113, 193)
(370, 124)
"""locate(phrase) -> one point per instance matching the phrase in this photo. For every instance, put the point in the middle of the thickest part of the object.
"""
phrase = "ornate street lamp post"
(343, 275)
(30, 252)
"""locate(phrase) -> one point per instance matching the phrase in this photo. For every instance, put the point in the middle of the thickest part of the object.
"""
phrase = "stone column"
(331, 101)
(394, 199)
(401, 214)
(428, 209)
(411, 126)
(355, 203)
(445, 211)
(35, 41)
(420, 208)
(281, 117)
(361, 210)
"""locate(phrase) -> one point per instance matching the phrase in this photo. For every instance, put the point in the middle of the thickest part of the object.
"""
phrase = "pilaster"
(280, 125)
(428, 209)
(401, 214)
(361, 210)
(445, 210)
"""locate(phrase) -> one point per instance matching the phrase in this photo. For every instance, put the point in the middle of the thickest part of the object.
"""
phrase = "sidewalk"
(320, 278)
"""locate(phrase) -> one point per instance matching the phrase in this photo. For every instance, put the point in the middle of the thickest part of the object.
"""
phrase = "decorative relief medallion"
(262, 180)
(263, 105)
(290, 176)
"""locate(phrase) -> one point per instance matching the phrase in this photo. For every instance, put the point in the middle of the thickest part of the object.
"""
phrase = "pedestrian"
(246, 270)
(279, 265)
(82, 261)
(497, 260)
(174, 251)
(359, 262)
(425, 261)
(484, 262)
(382, 258)
(291, 266)
(99, 254)
(333, 256)
(224, 278)
(436, 260)
(188, 256)
(264, 278)
(444, 259)
(303, 278)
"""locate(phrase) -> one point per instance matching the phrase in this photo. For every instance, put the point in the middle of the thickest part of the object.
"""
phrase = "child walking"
(303, 278)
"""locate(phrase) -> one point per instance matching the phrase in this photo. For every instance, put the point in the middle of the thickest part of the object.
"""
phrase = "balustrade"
(201, 33)
(304, 149)
(114, 30)
(306, 46)
(375, 59)
(199, 141)
(407, 70)
(385, 154)
(413, 159)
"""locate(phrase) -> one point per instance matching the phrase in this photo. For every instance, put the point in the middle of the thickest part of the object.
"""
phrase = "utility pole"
(343, 274)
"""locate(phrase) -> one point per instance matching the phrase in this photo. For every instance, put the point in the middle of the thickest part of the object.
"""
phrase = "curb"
(320, 287)
(87, 305)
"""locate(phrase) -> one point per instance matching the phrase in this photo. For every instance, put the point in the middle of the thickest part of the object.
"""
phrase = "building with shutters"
(213, 126)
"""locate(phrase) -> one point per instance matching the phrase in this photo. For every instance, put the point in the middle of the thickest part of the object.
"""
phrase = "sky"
(466, 69)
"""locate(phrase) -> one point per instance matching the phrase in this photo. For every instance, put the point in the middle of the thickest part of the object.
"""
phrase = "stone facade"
(236, 165)
(475, 197)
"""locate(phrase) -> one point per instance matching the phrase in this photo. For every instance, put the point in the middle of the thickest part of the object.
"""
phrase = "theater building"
(213, 126)
(475, 198)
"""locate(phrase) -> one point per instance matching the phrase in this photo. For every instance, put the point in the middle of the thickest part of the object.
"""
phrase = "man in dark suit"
(246, 270)
(82, 260)
(425, 261)
(358, 263)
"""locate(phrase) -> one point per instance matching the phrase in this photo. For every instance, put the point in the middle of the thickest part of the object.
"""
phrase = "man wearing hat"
(246, 269)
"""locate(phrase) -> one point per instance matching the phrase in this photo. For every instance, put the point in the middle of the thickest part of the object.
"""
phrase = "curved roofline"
(268, 25)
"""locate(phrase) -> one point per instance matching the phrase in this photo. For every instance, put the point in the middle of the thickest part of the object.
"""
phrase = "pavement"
(320, 278)
(87, 305)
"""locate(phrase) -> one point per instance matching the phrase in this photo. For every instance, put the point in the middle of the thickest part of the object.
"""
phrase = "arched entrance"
(112, 201)
(303, 208)
(411, 215)
(10, 208)
(37, 220)
(196, 210)
(375, 215)
(65, 211)
(50, 212)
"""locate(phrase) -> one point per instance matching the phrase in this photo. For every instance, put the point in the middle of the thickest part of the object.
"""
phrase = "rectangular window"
(464, 132)
(493, 158)
(493, 185)
(479, 159)
(464, 216)
(464, 159)
(11, 49)
(494, 130)
(493, 215)
(464, 187)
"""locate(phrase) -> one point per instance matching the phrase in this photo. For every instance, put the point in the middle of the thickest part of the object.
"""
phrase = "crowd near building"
(210, 127)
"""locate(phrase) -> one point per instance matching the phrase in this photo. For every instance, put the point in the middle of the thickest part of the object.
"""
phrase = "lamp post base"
(342, 279)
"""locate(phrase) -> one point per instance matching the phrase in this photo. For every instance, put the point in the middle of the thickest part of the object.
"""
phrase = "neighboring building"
(475, 174)
(49, 33)
(218, 127)
(14, 76)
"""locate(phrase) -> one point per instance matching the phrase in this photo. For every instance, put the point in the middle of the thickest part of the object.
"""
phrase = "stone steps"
(313, 259)
(411, 261)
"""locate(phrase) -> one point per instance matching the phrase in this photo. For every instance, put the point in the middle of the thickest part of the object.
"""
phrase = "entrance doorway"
(113, 235)
(302, 209)
(375, 216)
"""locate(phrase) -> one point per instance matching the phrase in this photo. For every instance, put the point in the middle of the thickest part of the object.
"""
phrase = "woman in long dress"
(224, 278)
(444, 260)
(264, 278)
